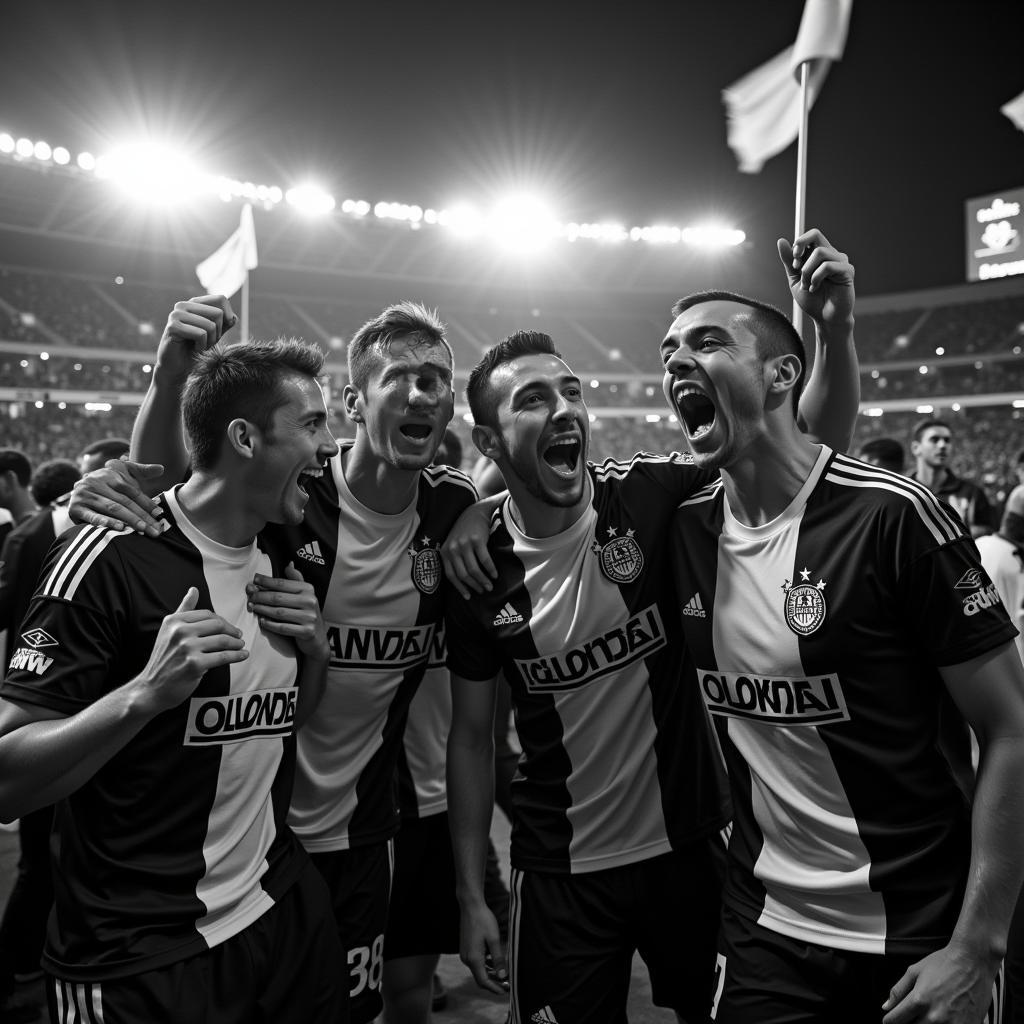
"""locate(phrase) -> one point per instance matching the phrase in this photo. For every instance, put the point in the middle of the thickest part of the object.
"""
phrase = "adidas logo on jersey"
(695, 608)
(508, 616)
(311, 553)
(545, 1016)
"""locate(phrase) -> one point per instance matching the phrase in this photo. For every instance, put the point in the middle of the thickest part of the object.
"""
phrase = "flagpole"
(244, 336)
(801, 176)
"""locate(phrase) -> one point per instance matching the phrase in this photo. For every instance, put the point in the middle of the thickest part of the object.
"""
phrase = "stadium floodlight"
(61, 155)
(874, 411)
(42, 150)
(712, 236)
(24, 147)
(7, 143)
(924, 409)
(152, 173)
(522, 223)
(463, 219)
(652, 417)
(86, 161)
(310, 199)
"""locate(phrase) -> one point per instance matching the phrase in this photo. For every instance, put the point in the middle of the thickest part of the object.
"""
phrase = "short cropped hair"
(776, 335)
(886, 452)
(242, 380)
(405, 320)
(106, 448)
(52, 479)
(478, 390)
(12, 460)
(922, 425)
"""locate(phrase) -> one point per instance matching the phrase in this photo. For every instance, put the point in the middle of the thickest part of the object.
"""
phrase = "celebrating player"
(368, 543)
(158, 711)
(617, 793)
(838, 603)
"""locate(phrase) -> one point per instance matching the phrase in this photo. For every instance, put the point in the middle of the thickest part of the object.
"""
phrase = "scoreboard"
(994, 230)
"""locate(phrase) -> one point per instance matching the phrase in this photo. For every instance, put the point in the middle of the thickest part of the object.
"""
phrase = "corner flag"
(1014, 110)
(224, 271)
(764, 108)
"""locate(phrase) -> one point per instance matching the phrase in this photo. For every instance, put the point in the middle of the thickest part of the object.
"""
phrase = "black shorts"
(762, 977)
(359, 881)
(423, 917)
(572, 938)
(283, 967)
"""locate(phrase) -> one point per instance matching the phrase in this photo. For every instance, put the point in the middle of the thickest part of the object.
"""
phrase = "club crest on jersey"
(426, 565)
(620, 558)
(805, 604)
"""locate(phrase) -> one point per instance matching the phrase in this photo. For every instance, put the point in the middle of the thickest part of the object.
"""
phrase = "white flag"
(223, 272)
(763, 108)
(1014, 110)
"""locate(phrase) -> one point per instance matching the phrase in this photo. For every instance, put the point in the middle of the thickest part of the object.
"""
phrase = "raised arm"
(955, 983)
(192, 327)
(821, 282)
(470, 767)
(45, 756)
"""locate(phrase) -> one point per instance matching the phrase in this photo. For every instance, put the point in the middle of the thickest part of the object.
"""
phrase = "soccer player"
(369, 545)
(931, 448)
(158, 711)
(617, 798)
(839, 603)
(1002, 558)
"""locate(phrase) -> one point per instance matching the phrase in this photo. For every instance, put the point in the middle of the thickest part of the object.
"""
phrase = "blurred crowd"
(908, 354)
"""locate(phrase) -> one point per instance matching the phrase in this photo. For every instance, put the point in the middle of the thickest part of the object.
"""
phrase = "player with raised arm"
(840, 604)
(369, 545)
(617, 796)
(158, 711)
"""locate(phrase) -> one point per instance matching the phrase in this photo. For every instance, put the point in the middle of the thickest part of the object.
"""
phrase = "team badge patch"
(805, 604)
(621, 559)
(426, 566)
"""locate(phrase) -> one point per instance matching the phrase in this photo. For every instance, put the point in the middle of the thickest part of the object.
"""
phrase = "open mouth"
(304, 478)
(696, 410)
(416, 431)
(563, 455)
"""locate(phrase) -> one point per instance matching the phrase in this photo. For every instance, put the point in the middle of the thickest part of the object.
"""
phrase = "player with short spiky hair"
(156, 705)
(842, 605)
(616, 797)
(369, 544)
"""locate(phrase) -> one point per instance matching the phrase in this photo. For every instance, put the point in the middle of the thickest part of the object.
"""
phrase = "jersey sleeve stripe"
(938, 507)
(703, 495)
(73, 564)
(936, 520)
(616, 469)
(438, 475)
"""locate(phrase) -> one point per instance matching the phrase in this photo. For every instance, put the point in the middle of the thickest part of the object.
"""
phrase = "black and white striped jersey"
(179, 841)
(617, 764)
(817, 640)
(379, 580)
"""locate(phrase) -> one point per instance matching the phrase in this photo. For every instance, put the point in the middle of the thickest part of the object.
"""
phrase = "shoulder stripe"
(437, 475)
(934, 514)
(616, 469)
(74, 563)
(703, 495)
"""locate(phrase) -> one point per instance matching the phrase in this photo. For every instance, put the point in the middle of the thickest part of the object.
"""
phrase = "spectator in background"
(23, 926)
(96, 454)
(885, 452)
(931, 447)
(1018, 466)
(15, 475)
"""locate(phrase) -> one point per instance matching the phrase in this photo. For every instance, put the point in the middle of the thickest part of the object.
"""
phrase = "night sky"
(611, 111)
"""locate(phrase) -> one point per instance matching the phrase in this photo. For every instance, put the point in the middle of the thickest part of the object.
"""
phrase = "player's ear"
(784, 373)
(486, 440)
(241, 435)
(353, 404)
